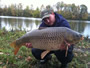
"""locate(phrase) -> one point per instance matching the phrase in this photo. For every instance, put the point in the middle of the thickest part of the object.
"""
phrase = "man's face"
(50, 20)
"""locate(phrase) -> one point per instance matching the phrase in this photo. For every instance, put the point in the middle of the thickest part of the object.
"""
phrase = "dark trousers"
(59, 54)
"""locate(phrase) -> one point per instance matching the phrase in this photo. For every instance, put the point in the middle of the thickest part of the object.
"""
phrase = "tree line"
(69, 11)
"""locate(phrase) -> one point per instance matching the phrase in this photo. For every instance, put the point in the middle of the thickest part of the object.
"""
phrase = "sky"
(38, 3)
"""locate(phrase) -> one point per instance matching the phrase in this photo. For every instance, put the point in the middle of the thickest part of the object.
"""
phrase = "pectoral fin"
(44, 54)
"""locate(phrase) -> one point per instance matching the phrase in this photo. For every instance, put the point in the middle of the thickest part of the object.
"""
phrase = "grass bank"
(24, 58)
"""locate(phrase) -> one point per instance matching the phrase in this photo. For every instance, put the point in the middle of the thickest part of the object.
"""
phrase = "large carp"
(48, 38)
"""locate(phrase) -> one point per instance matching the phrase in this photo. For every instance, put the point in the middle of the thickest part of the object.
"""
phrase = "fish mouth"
(82, 38)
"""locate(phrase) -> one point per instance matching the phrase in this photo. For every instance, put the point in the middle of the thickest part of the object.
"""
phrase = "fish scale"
(49, 40)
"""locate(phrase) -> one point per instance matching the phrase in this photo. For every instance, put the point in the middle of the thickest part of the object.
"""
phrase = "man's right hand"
(28, 45)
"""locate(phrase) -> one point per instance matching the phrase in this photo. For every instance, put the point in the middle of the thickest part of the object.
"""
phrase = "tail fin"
(16, 48)
(13, 44)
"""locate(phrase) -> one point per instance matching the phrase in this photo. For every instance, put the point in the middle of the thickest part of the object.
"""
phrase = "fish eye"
(80, 35)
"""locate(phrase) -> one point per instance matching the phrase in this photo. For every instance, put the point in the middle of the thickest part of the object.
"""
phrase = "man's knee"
(69, 57)
(36, 53)
(61, 56)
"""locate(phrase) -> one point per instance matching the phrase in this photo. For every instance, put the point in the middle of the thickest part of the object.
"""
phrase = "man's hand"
(28, 45)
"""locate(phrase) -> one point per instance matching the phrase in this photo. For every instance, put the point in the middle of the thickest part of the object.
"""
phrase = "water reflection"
(22, 23)
(86, 31)
(78, 26)
(81, 26)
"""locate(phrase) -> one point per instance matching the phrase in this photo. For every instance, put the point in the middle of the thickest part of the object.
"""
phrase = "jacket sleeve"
(42, 24)
(64, 22)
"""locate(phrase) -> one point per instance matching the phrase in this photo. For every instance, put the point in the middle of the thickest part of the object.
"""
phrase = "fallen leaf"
(76, 54)
(28, 59)
(85, 55)
(1, 62)
(1, 53)
(4, 66)
(88, 63)
(19, 57)
(80, 55)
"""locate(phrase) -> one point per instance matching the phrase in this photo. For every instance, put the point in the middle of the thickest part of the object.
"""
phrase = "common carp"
(48, 38)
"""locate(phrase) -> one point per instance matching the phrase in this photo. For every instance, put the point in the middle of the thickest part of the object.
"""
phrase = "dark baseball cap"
(46, 13)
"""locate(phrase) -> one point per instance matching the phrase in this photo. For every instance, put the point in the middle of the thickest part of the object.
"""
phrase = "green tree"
(75, 10)
(1, 11)
(42, 7)
(9, 11)
(26, 11)
(19, 9)
(36, 13)
(60, 6)
(13, 10)
(83, 11)
(67, 11)
(48, 6)
(31, 10)
(5, 10)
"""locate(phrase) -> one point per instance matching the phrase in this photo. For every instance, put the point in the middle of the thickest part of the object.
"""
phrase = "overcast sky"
(38, 3)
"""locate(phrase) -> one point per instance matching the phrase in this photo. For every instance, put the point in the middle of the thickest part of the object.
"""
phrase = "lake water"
(27, 24)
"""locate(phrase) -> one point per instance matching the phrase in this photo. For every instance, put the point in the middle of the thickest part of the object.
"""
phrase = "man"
(52, 19)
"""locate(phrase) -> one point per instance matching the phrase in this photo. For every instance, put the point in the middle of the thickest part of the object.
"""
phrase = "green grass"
(24, 58)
